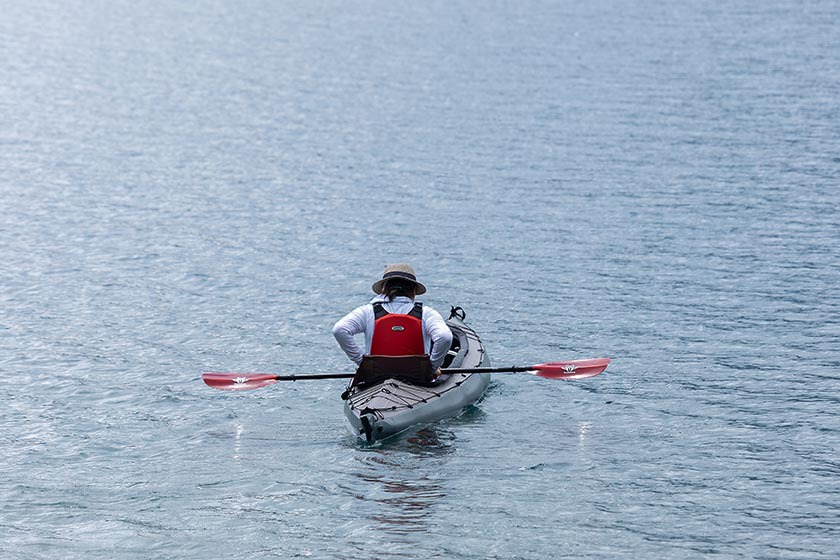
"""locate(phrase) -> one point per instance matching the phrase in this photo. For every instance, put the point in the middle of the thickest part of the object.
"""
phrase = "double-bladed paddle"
(574, 369)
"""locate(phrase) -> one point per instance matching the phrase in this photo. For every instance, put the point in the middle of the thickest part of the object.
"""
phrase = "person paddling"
(403, 338)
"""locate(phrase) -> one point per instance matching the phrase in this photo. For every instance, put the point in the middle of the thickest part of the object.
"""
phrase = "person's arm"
(346, 328)
(439, 333)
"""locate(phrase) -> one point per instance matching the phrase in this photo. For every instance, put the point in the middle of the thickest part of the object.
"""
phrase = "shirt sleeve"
(439, 334)
(346, 328)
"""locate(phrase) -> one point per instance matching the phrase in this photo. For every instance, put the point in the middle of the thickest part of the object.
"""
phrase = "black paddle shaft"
(511, 369)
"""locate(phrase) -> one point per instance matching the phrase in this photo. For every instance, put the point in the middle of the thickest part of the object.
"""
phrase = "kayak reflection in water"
(399, 332)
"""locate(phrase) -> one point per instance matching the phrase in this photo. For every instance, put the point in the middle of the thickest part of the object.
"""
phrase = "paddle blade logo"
(570, 368)
(240, 381)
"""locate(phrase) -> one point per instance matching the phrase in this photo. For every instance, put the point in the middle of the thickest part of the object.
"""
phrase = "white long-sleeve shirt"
(361, 320)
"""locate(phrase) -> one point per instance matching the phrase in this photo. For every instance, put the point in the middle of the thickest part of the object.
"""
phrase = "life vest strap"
(416, 311)
(378, 311)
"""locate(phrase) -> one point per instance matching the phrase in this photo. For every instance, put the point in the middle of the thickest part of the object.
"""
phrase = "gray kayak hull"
(388, 408)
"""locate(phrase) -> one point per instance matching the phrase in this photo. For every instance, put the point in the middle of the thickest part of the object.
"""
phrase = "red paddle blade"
(575, 369)
(238, 381)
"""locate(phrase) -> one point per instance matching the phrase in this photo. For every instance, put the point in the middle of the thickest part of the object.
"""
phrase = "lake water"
(208, 186)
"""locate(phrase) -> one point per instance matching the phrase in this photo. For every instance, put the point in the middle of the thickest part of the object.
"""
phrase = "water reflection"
(237, 439)
(583, 433)
(400, 483)
(235, 435)
(407, 504)
(426, 438)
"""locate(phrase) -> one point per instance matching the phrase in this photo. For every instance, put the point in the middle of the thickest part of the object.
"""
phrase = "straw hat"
(403, 271)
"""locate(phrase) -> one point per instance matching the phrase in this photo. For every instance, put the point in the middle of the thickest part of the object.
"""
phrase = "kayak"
(379, 411)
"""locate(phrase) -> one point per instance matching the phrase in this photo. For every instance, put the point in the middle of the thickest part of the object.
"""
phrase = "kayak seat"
(416, 370)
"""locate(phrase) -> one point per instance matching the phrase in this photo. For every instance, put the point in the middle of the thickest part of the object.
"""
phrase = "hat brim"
(379, 285)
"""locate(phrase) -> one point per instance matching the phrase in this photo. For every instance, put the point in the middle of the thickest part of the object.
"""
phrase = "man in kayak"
(395, 326)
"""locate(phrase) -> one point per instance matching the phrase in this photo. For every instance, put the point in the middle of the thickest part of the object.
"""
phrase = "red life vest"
(395, 334)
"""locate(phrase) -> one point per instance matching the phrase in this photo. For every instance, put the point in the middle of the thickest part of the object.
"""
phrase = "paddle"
(574, 369)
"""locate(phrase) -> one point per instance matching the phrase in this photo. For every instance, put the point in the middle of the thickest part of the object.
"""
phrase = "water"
(210, 185)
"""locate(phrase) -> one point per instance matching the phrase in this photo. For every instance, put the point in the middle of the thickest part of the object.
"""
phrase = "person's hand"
(438, 373)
